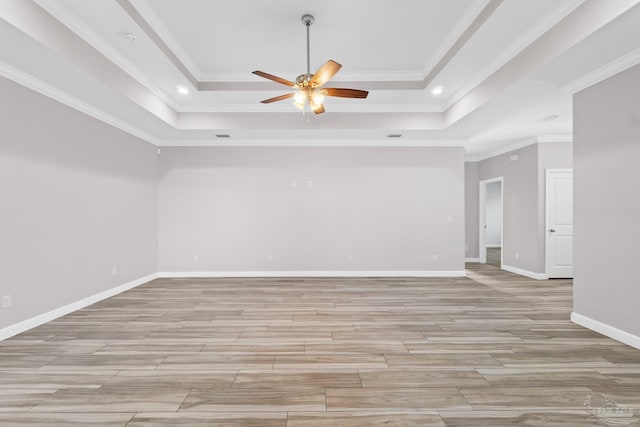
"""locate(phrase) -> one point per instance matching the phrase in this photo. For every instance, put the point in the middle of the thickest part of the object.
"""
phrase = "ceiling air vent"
(223, 135)
(394, 135)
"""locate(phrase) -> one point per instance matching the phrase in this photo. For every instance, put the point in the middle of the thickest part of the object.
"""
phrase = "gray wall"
(77, 198)
(471, 190)
(388, 208)
(523, 205)
(607, 203)
(520, 205)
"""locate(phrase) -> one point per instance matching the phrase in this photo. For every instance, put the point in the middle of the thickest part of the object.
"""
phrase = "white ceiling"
(505, 66)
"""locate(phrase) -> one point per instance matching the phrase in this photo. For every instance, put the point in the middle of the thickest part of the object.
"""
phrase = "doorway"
(559, 223)
(491, 223)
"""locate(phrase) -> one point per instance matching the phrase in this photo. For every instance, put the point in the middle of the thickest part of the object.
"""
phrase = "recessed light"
(394, 135)
(437, 90)
(182, 90)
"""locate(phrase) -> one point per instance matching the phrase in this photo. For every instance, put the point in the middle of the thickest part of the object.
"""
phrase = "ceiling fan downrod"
(307, 20)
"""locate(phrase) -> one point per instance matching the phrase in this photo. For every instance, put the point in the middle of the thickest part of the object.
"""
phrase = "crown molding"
(472, 28)
(30, 18)
(335, 108)
(72, 22)
(47, 90)
(555, 138)
(612, 68)
(453, 36)
(546, 23)
(150, 23)
(502, 150)
(169, 54)
(248, 142)
(167, 37)
(342, 77)
(577, 26)
(519, 144)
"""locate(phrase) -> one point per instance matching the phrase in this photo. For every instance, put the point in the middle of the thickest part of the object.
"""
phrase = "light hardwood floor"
(493, 349)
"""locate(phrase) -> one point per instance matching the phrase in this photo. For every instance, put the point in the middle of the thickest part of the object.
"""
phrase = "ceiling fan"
(309, 86)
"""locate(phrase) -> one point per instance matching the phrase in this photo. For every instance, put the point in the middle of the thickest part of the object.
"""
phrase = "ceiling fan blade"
(317, 108)
(324, 73)
(346, 93)
(277, 98)
(274, 78)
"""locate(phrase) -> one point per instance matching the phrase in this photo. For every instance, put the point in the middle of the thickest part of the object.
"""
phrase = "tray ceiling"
(504, 66)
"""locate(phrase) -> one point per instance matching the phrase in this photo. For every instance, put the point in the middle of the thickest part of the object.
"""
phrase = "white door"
(559, 232)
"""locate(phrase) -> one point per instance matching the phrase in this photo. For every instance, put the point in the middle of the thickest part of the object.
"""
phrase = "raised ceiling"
(507, 68)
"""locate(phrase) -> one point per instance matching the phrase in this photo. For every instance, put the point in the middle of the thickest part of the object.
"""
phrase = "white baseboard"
(493, 245)
(527, 273)
(40, 319)
(214, 274)
(607, 330)
(472, 260)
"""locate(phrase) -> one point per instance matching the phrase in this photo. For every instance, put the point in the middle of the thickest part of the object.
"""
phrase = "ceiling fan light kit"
(310, 94)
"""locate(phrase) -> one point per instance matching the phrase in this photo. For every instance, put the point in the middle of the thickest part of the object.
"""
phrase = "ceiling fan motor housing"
(304, 81)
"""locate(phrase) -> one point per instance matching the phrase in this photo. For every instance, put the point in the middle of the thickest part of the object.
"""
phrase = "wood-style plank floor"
(492, 349)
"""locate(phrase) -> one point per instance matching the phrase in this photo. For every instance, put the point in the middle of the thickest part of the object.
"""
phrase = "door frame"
(547, 241)
(482, 219)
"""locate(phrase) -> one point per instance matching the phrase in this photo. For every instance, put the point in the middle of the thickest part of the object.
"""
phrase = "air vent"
(550, 118)
(223, 135)
(394, 135)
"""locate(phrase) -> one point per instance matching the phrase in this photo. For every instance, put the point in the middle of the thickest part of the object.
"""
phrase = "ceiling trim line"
(284, 142)
(342, 108)
(575, 27)
(35, 21)
(269, 86)
(419, 84)
(157, 40)
(291, 120)
(97, 42)
(503, 150)
(45, 89)
(152, 18)
(556, 138)
(511, 51)
(614, 67)
(462, 40)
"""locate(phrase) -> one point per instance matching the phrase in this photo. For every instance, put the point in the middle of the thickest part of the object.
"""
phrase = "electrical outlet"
(6, 301)
(269, 258)
(350, 257)
(435, 257)
(449, 219)
(309, 184)
(196, 258)
(294, 184)
(114, 271)
(517, 255)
